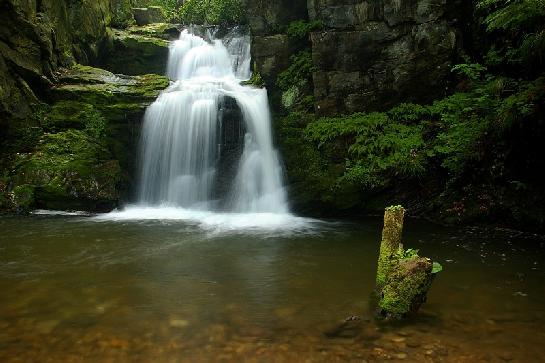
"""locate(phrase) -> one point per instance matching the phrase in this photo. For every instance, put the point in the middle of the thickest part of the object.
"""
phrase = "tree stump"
(403, 277)
(391, 242)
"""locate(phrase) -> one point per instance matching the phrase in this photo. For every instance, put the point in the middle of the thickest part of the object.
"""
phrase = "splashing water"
(181, 145)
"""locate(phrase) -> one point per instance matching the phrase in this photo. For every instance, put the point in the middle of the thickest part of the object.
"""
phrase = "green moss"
(391, 247)
(156, 30)
(289, 97)
(70, 165)
(301, 29)
(103, 89)
(395, 208)
(76, 115)
(295, 81)
(255, 80)
(406, 287)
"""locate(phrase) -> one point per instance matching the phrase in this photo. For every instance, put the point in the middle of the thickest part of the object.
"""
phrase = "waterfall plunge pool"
(117, 289)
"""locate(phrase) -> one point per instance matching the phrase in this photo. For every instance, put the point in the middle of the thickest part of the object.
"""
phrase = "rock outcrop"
(369, 56)
(78, 153)
(68, 132)
(138, 50)
(376, 54)
(36, 38)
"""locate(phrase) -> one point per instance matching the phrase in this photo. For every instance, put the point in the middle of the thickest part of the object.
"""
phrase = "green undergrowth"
(212, 12)
(295, 82)
(461, 146)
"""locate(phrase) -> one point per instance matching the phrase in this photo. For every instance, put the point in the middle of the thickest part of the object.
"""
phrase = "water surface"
(87, 289)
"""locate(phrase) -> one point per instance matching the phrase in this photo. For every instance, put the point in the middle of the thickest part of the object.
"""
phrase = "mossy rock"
(406, 288)
(134, 54)
(163, 31)
(74, 115)
(68, 170)
(117, 97)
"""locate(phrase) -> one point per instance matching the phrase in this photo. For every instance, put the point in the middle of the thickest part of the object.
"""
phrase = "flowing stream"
(184, 139)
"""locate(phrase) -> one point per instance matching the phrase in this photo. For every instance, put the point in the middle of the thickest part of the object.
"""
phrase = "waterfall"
(181, 144)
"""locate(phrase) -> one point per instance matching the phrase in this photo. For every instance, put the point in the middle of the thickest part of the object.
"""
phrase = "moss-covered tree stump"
(403, 277)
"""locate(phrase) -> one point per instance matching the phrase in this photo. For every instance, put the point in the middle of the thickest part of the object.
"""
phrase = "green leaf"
(436, 268)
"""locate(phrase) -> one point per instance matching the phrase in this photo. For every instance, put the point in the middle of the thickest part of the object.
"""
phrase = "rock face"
(376, 54)
(35, 39)
(38, 37)
(68, 132)
(271, 47)
(133, 53)
(267, 17)
(370, 55)
(82, 148)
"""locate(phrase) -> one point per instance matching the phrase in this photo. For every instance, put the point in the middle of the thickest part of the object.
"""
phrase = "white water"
(180, 142)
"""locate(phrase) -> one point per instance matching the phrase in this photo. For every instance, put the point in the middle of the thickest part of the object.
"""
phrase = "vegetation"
(170, 8)
(300, 29)
(296, 83)
(70, 155)
(519, 28)
(255, 80)
(212, 12)
(471, 155)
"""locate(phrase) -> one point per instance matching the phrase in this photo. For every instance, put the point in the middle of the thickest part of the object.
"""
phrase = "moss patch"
(76, 153)
(135, 54)
(406, 287)
(70, 166)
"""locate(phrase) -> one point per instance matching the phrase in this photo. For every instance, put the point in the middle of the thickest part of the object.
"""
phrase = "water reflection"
(74, 289)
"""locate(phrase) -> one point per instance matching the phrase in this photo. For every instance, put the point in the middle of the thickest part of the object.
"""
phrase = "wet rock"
(135, 54)
(74, 164)
(351, 327)
(163, 31)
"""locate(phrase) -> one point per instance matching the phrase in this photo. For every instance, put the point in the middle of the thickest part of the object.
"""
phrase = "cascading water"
(181, 144)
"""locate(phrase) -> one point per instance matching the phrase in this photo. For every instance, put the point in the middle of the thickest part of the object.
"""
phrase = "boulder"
(149, 15)
(406, 288)
(135, 54)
